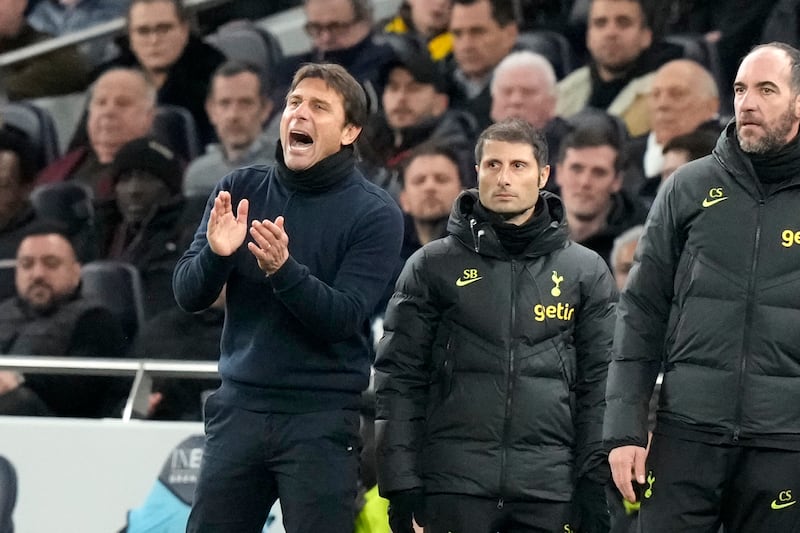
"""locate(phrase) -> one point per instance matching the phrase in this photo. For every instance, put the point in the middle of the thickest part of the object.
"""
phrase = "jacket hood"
(469, 223)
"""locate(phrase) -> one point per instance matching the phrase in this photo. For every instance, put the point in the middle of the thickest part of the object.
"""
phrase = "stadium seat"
(118, 286)
(39, 126)
(175, 127)
(552, 45)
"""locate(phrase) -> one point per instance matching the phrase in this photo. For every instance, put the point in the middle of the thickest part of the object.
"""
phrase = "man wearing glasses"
(341, 32)
(177, 62)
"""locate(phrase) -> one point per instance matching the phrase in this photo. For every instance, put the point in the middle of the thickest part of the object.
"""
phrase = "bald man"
(684, 97)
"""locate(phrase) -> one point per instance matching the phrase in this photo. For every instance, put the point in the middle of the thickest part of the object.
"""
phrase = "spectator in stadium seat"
(61, 71)
(238, 104)
(341, 32)
(16, 214)
(48, 316)
(620, 70)
(149, 223)
(484, 32)
(683, 98)
(590, 179)
(425, 20)
(176, 61)
(121, 108)
(415, 110)
(58, 17)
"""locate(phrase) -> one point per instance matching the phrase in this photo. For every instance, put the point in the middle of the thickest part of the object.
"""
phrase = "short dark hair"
(337, 78)
(504, 12)
(232, 67)
(794, 61)
(19, 143)
(514, 130)
(430, 148)
(180, 9)
(646, 7)
(47, 226)
(595, 129)
(697, 143)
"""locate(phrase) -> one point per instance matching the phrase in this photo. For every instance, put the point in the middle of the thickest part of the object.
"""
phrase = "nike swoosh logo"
(709, 203)
(778, 506)
(462, 282)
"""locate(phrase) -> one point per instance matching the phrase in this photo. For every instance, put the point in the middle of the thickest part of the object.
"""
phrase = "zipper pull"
(500, 503)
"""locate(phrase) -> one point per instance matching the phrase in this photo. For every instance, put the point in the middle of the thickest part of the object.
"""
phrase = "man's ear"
(544, 175)
(350, 134)
(616, 186)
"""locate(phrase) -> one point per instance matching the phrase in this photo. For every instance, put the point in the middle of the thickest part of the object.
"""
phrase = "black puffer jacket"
(491, 374)
(714, 293)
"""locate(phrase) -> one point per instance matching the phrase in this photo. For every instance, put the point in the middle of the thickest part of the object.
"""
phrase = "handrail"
(142, 371)
(104, 29)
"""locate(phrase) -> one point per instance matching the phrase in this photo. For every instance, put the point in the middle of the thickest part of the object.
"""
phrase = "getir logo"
(560, 311)
(789, 238)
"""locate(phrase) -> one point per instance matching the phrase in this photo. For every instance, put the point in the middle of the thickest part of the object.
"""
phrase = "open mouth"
(300, 139)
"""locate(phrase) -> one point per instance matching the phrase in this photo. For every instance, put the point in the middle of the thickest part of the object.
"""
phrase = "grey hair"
(632, 234)
(151, 93)
(526, 58)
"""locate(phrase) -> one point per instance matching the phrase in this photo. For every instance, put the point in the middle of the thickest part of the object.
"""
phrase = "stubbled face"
(138, 193)
(767, 109)
(430, 17)
(237, 109)
(313, 124)
(408, 102)
(509, 179)
(623, 263)
(332, 25)
(12, 192)
(479, 42)
(678, 103)
(617, 34)
(430, 186)
(47, 270)
(120, 110)
(157, 35)
(522, 92)
(588, 180)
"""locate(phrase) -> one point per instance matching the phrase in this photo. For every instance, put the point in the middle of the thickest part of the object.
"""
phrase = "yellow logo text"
(470, 275)
(715, 196)
(789, 238)
(560, 311)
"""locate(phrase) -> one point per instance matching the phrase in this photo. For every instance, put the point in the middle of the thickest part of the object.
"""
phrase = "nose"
(504, 176)
(745, 100)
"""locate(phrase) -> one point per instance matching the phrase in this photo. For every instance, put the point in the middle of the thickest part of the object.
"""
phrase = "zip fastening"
(748, 318)
(510, 385)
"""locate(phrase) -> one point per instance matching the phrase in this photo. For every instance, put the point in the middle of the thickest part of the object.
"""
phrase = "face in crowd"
(121, 108)
(334, 25)
(408, 102)
(588, 179)
(431, 184)
(237, 109)
(47, 270)
(617, 35)
(479, 41)
(157, 34)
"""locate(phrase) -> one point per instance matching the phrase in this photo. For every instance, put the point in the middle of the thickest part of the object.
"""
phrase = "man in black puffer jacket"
(491, 375)
(713, 297)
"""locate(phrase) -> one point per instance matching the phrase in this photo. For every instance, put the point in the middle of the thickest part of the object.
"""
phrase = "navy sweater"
(297, 341)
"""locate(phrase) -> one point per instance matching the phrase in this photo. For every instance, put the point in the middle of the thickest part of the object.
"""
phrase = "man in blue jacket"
(295, 356)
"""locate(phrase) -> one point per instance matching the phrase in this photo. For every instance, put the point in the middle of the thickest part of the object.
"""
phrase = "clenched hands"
(270, 244)
(225, 231)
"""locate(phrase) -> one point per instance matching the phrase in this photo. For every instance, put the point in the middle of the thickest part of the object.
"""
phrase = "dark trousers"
(309, 461)
(694, 487)
(456, 513)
